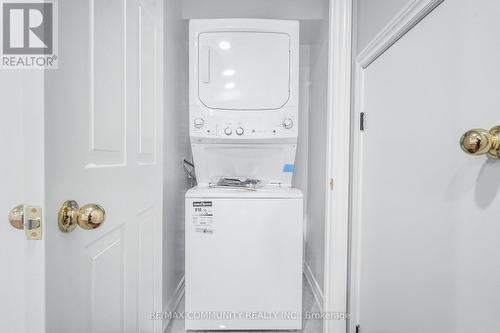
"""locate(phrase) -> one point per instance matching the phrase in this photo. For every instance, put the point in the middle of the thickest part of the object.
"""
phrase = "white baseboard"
(315, 287)
(175, 300)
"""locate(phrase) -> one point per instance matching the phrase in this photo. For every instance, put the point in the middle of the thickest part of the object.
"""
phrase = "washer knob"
(240, 131)
(199, 122)
(287, 123)
(228, 131)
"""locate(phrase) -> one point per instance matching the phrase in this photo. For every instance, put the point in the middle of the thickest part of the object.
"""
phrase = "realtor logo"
(28, 34)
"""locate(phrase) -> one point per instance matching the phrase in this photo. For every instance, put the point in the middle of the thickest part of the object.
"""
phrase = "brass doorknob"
(88, 217)
(16, 217)
(479, 141)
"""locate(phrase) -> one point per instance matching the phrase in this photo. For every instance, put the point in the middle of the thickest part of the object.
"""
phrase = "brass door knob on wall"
(88, 217)
(479, 141)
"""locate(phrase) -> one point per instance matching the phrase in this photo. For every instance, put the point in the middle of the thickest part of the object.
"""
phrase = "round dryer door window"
(244, 70)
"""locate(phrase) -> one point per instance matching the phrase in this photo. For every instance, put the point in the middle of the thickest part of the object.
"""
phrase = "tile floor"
(309, 326)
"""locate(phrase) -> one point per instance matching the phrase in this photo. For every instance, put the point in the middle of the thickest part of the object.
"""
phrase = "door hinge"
(362, 121)
(331, 184)
(357, 328)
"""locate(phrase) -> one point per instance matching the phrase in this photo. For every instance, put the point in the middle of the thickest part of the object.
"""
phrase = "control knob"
(239, 131)
(228, 131)
(199, 122)
(287, 123)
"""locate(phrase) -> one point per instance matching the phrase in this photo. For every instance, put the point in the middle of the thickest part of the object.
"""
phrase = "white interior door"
(21, 174)
(12, 241)
(426, 227)
(103, 145)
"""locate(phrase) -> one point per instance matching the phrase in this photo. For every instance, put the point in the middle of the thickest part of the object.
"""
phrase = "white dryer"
(244, 246)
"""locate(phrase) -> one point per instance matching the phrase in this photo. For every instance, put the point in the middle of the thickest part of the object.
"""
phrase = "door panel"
(106, 282)
(103, 130)
(428, 250)
(107, 81)
(148, 68)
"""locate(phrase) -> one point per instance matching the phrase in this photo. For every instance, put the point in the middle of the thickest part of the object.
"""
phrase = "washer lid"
(269, 192)
(244, 70)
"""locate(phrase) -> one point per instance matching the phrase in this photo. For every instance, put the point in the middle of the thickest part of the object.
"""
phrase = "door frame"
(338, 164)
(402, 23)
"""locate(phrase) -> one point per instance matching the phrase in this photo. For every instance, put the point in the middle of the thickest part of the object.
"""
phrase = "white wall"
(315, 210)
(176, 148)
(372, 16)
(275, 9)
(301, 160)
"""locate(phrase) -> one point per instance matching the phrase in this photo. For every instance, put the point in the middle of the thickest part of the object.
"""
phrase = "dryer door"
(244, 70)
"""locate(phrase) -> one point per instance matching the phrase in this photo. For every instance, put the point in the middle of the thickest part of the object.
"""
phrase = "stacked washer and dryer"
(244, 221)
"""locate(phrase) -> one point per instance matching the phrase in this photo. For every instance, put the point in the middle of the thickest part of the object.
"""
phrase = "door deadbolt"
(479, 141)
(88, 217)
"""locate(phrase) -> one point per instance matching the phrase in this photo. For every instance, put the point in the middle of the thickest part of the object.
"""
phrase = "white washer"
(243, 259)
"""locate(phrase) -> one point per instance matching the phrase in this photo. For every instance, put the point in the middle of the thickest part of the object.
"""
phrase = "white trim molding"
(314, 285)
(397, 28)
(338, 159)
(402, 23)
(175, 300)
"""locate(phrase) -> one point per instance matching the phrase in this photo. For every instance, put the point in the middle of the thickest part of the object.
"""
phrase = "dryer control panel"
(250, 126)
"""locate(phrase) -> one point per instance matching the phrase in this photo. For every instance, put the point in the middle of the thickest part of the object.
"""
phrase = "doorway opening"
(311, 162)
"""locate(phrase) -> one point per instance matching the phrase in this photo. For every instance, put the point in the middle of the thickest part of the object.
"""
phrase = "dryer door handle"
(205, 64)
